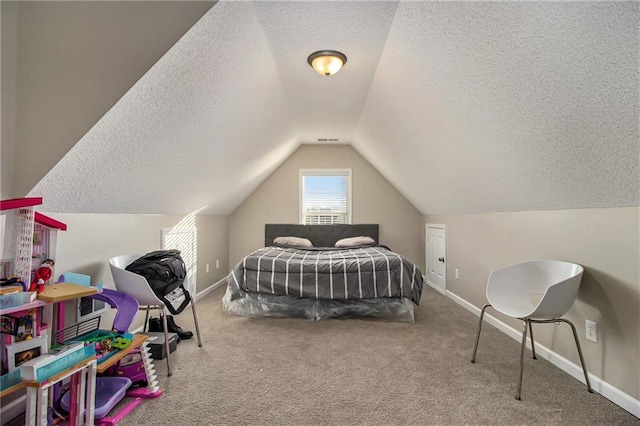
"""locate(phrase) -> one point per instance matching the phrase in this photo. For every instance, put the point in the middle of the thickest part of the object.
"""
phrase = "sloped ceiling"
(201, 129)
(507, 106)
(464, 107)
(326, 107)
(75, 61)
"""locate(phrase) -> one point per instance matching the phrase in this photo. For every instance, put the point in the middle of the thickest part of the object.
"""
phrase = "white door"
(436, 257)
(185, 240)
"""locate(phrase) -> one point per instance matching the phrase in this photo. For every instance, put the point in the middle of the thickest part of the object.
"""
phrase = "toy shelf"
(65, 291)
(24, 307)
(83, 377)
(138, 340)
(11, 389)
(60, 375)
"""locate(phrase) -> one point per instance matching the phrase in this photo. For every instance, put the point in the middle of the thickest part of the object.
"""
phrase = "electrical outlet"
(457, 274)
(217, 263)
(591, 329)
(207, 268)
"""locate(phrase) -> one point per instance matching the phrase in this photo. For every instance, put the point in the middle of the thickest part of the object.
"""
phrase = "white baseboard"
(615, 395)
(432, 285)
(211, 288)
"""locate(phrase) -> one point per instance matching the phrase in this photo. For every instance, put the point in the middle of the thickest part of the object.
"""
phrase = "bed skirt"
(261, 305)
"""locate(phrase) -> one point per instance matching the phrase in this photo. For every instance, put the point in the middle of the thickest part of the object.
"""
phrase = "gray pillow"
(355, 242)
(292, 242)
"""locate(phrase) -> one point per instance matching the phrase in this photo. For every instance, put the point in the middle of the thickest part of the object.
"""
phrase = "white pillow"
(292, 242)
(355, 242)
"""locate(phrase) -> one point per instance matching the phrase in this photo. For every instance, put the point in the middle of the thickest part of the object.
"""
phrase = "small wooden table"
(65, 291)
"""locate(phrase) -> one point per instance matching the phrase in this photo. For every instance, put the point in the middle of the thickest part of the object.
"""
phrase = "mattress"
(372, 272)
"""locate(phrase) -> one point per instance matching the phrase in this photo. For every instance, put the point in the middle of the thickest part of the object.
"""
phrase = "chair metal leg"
(524, 344)
(584, 366)
(166, 340)
(533, 345)
(195, 320)
(475, 348)
(575, 337)
(146, 320)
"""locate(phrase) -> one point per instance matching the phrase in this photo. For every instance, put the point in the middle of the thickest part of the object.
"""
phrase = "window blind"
(325, 198)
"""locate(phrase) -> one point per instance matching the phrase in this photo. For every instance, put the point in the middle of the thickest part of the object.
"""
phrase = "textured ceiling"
(507, 106)
(201, 129)
(465, 107)
(326, 107)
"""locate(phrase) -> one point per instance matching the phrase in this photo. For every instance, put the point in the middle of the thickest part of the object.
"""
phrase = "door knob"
(441, 259)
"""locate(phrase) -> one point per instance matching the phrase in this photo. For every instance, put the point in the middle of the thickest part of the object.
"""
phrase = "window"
(184, 237)
(325, 196)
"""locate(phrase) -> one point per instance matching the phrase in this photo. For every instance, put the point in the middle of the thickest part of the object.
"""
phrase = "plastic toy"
(43, 274)
(103, 347)
(126, 307)
(132, 367)
(120, 343)
(134, 371)
(13, 281)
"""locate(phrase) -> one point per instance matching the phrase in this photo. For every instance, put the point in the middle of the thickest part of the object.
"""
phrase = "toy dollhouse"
(27, 238)
(27, 241)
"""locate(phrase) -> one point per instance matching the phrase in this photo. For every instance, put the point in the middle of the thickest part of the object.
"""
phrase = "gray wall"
(213, 245)
(8, 83)
(604, 241)
(92, 239)
(74, 61)
(374, 201)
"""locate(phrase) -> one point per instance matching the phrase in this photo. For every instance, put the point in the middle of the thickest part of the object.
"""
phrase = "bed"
(301, 273)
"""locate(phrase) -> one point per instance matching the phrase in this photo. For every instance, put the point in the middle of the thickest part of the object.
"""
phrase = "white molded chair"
(137, 286)
(535, 292)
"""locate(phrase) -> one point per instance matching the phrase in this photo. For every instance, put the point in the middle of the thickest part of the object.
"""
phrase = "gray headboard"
(320, 235)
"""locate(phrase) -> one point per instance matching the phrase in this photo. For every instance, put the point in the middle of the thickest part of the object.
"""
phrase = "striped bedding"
(345, 274)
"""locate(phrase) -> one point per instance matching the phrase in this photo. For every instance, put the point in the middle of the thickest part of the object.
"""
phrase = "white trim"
(211, 288)
(615, 395)
(433, 286)
(426, 254)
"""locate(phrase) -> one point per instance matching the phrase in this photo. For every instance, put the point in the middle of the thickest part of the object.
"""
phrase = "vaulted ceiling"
(463, 106)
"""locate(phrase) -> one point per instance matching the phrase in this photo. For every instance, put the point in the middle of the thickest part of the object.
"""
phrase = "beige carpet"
(356, 372)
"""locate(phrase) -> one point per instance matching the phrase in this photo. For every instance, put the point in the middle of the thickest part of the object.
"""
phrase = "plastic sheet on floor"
(260, 305)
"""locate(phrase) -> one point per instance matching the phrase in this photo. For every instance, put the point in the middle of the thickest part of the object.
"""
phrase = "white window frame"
(184, 237)
(323, 172)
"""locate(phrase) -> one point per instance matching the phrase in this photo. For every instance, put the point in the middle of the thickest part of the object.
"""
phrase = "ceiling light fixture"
(327, 62)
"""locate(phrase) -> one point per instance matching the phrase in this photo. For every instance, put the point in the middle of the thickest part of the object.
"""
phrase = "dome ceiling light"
(327, 62)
